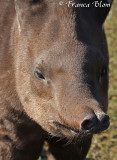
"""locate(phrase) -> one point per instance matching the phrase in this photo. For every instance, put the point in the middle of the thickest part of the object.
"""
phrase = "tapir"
(53, 78)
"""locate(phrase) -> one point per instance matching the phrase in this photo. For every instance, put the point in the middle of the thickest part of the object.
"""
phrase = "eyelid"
(39, 75)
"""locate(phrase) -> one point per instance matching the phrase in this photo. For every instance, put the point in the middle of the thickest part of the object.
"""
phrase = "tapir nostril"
(95, 123)
(88, 123)
(104, 120)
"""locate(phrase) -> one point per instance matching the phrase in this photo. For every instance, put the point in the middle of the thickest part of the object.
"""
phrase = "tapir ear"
(101, 9)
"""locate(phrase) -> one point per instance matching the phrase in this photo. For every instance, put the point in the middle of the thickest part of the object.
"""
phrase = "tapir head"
(61, 62)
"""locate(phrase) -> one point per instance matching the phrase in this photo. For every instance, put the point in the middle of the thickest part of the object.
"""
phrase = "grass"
(104, 146)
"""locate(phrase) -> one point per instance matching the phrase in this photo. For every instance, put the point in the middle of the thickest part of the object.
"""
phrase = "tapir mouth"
(70, 132)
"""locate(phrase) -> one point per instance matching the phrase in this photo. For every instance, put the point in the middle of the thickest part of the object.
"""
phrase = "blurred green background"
(104, 146)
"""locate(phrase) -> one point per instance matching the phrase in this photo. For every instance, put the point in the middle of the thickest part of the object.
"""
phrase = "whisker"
(60, 139)
(68, 142)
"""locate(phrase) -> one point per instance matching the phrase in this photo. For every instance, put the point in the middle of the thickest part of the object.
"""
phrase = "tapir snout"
(91, 124)
(95, 123)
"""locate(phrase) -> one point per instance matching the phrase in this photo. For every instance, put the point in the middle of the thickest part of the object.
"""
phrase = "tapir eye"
(39, 75)
(102, 74)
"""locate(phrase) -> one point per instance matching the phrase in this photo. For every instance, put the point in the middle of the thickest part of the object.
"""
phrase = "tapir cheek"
(44, 111)
(41, 89)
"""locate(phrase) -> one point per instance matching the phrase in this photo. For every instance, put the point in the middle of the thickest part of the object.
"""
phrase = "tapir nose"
(95, 123)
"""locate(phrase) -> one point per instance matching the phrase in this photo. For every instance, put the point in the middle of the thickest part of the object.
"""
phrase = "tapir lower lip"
(66, 127)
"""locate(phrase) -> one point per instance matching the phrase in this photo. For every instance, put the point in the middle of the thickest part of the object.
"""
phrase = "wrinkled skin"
(54, 73)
